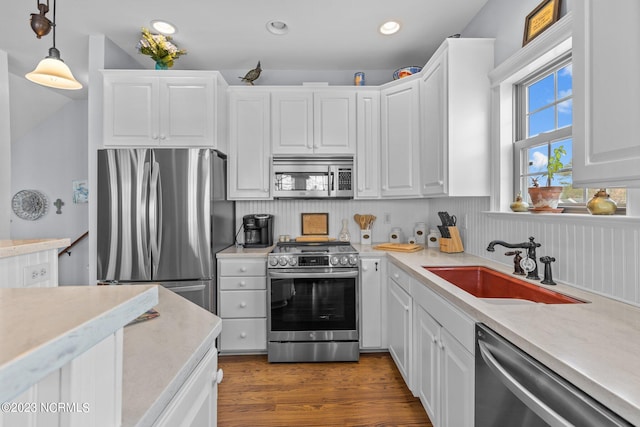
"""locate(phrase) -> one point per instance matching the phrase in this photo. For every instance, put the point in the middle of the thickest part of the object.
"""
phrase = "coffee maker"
(258, 230)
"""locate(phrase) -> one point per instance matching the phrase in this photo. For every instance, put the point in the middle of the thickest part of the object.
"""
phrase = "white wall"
(504, 21)
(5, 148)
(403, 213)
(48, 159)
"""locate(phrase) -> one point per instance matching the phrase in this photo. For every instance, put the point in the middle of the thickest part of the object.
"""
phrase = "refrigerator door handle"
(144, 218)
(155, 217)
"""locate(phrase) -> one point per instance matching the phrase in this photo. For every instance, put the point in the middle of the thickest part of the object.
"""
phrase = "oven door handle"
(304, 275)
(528, 398)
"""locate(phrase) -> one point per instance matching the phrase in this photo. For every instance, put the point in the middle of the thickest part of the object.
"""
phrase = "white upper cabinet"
(400, 139)
(455, 118)
(313, 122)
(606, 148)
(368, 145)
(164, 108)
(249, 148)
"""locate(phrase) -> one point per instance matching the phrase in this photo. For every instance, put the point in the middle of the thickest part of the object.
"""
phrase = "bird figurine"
(252, 75)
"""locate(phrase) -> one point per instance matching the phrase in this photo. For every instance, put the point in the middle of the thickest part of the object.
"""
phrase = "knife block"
(452, 244)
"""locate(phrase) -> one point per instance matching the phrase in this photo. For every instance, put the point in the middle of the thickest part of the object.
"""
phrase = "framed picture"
(80, 191)
(315, 224)
(541, 18)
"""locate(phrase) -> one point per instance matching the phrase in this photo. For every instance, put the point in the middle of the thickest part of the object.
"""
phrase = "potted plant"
(545, 199)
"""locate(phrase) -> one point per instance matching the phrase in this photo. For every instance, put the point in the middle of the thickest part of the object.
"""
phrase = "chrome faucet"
(530, 246)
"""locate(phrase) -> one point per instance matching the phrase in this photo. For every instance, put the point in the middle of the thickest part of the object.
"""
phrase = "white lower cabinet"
(196, 403)
(373, 307)
(399, 328)
(432, 344)
(444, 366)
(242, 304)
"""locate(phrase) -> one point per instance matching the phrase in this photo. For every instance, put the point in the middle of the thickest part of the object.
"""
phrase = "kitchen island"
(594, 345)
(30, 262)
(149, 373)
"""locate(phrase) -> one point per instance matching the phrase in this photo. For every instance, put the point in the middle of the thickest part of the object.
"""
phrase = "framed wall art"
(541, 18)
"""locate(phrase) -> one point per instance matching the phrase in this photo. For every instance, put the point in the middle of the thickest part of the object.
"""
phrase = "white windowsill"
(606, 220)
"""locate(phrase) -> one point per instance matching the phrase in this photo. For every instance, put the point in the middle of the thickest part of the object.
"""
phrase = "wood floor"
(371, 392)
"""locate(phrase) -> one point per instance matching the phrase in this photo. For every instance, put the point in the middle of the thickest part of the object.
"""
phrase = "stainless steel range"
(313, 315)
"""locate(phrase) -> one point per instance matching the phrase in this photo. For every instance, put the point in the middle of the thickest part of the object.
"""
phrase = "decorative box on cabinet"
(250, 145)
(400, 139)
(455, 108)
(313, 122)
(606, 150)
(164, 108)
(242, 304)
(373, 303)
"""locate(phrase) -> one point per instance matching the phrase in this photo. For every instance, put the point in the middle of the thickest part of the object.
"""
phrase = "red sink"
(483, 282)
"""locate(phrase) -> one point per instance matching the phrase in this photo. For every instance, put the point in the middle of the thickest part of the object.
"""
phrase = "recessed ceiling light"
(163, 27)
(277, 27)
(389, 27)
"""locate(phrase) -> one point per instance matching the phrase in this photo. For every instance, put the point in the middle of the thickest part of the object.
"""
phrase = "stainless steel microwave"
(312, 177)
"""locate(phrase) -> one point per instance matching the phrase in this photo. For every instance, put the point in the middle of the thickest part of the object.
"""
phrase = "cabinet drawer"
(400, 277)
(243, 334)
(242, 282)
(243, 267)
(238, 304)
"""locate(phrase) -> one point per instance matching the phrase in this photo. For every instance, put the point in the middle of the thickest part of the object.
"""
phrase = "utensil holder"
(452, 244)
(365, 237)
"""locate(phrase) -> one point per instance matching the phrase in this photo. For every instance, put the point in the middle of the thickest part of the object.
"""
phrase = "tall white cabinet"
(250, 146)
(373, 302)
(455, 108)
(606, 151)
(400, 139)
(368, 144)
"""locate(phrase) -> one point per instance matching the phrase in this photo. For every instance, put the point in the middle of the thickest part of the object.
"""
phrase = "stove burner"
(313, 254)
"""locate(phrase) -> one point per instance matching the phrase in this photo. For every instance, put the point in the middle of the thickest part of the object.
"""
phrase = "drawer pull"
(219, 376)
(243, 335)
(243, 304)
(243, 269)
(242, 283)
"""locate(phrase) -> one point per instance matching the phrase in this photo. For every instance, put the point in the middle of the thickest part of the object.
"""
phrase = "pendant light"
(52, 71)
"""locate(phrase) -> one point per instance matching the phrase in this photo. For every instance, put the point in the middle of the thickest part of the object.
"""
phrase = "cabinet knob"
(154, 136)
(243, 269)
(266, 190)
(163, 137)
(243, 335)
(396, 276)
(406, 308)
(219, 376)
(242, 283)
(384, 187)
(441, 345)
(434, 339)
(365, 268)
(360, 189)
(243, 304)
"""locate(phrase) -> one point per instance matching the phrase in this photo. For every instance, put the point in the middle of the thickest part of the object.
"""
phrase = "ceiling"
(232, 34)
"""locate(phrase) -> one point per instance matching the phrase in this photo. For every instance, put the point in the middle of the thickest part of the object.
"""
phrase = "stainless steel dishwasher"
(513, 389)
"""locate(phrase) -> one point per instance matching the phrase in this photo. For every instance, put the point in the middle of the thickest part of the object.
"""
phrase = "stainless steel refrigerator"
(162, 216)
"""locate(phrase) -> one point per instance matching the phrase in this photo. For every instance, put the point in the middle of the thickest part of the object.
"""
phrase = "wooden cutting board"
(312, 238)
(399, 247)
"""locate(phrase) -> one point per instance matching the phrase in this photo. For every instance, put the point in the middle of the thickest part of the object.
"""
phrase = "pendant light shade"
(52, 71)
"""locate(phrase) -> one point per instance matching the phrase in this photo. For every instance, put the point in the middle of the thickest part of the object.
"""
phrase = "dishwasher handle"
(536, 405)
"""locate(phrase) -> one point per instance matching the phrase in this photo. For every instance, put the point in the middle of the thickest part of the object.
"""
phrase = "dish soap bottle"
(344, 235)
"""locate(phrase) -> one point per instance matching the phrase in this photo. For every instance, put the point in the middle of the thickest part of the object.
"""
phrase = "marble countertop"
(159, 355)
(10, 248)
(595, 346)
(239, 251)
(42, 329)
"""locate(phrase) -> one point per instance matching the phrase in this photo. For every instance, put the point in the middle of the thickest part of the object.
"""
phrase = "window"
(544, 131)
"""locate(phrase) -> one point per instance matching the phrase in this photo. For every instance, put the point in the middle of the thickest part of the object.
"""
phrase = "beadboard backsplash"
(402, 213)
(600, 254)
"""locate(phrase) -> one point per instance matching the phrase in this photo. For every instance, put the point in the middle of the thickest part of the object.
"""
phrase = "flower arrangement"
(159, 48)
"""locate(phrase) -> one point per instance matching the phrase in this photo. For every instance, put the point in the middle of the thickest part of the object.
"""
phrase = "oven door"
(313, 305)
